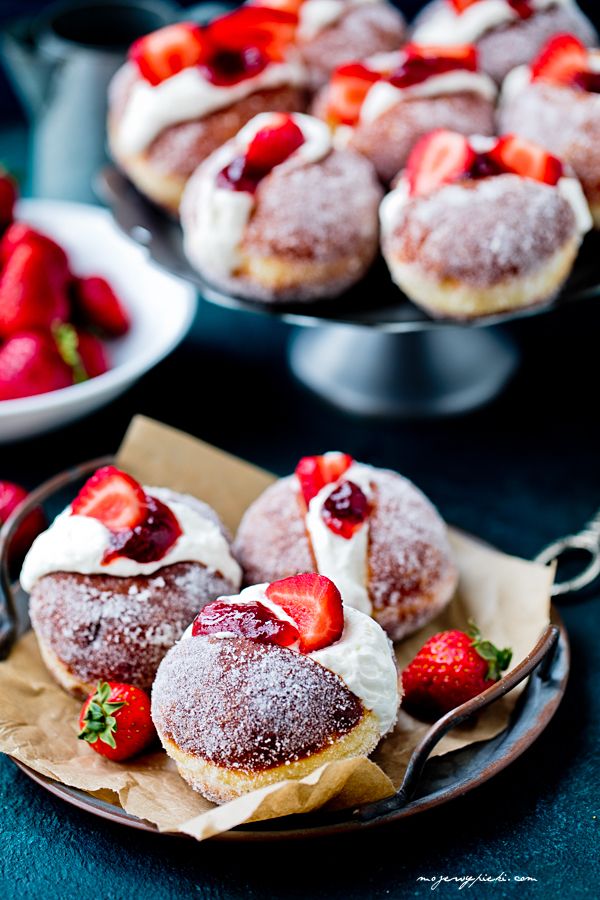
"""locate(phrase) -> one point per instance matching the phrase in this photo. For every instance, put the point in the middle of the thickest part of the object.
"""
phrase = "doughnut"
(480, 226)
(185, 90)
(111, 592)
(386, 546)
(508, 33)
(558, 106)
(271, 684)
(277, 214)
(381, 106)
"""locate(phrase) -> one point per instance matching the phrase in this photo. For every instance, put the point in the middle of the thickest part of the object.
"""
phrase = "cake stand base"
(445, 371)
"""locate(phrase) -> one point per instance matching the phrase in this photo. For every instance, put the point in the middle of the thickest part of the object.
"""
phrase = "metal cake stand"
(370, 351)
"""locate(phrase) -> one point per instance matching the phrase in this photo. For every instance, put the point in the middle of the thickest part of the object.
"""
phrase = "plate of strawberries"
(83, 313)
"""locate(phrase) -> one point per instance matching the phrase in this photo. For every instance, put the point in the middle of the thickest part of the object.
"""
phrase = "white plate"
(161, 306)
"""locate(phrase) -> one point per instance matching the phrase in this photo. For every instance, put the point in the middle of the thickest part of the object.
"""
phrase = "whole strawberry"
(8, 198)
(30, 293)
(30, 363)
(115, 720)
(99, 307)
(11, 496)
(451, 668)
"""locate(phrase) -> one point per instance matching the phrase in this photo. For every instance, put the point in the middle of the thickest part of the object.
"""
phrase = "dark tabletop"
(519, 473)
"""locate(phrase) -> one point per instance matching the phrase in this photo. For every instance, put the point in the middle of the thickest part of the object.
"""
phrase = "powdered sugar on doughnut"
(101, 626)
(79, 544)
(363, 656)
(249, 706)
(214, 218)
(317, 15)
(479, 232)
(410, 569)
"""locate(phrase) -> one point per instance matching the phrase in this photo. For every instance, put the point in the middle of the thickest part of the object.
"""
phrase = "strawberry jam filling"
(345, 509)
(418, 67)
(149, 541)
(251, 620)
(269, 147)
(229, 67)
(141, 527)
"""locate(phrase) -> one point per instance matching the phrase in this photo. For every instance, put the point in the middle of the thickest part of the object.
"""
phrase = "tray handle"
(541, 656)
(8, 611)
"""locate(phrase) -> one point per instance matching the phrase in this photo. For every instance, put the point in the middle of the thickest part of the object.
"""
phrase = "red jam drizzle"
(588, 81)
(415, 70)
(149, 541)
(251, 620)
(345, 509)
(523, 8)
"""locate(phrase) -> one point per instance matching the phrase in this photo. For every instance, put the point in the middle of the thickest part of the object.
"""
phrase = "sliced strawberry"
(252, 620)
(291, 6)
(515, 154)
(31, 364)
(439, 158)
(314, 472)
(113, 497)
(30, 296)
(461, 5)
(99, 306)
(315, 605)
(465, 54)
(56, 259)
(563, 57)
(345, 509)
(347, 90)
(8, 198)
(273, 145)
(165, 52)
(271, 30)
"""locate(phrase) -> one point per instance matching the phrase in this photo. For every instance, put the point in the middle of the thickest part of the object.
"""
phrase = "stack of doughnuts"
(275, 207)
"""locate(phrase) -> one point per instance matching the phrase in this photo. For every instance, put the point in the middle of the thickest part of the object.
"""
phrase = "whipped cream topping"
(383, 95)
(343, 560)
(317, 15)
(214, 218)
(79, 544)
(363, 657)
(446, 26)
(189, 95)
(568, 186)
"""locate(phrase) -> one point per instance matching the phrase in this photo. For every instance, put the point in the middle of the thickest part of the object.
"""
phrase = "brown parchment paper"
(508, 597)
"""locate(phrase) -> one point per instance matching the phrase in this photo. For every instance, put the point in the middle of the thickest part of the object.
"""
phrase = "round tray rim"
(261, 832)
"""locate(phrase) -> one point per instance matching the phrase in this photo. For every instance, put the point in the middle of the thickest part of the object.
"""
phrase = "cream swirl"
(384, 95)
(79, 544)
(343, 560)
(189, 95)
(446, 26)
(214, 218)
(363, 656)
